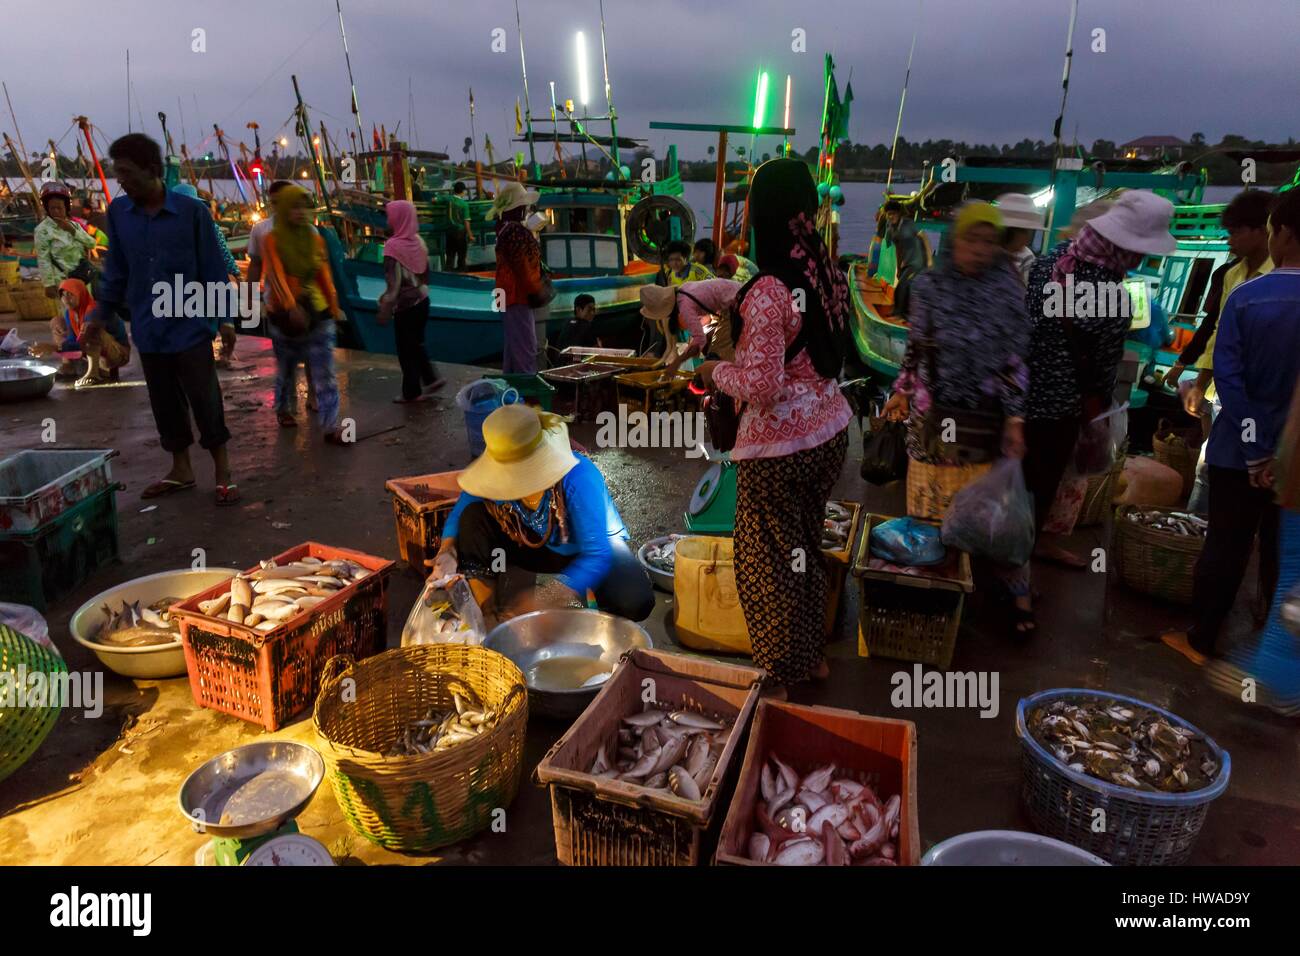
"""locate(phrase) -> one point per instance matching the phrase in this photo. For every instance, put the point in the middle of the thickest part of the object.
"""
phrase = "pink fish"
(800, 852)
(836, 852)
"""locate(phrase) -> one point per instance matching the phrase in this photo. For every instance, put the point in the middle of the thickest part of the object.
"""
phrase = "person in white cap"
(1080, 316)
(519, 275)
(1020, 220)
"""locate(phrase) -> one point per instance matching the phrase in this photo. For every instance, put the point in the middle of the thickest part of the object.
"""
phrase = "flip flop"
(286, 420)
(410, 401)
(227, 494)
(1177, 640)
(166, 486)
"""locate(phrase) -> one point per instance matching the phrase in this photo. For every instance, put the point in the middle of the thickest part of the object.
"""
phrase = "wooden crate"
(421, 504)
(604, 822)
(880, 751)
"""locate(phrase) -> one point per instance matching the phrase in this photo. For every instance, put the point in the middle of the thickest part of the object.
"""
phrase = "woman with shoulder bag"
(1075, 349)
(793, 429)
(963, 379)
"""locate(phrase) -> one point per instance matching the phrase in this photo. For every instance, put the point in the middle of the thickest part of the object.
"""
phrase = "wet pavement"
(104, 791)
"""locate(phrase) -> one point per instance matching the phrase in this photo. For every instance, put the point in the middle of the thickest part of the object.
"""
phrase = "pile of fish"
(136, 626)
(822, 819)
(662, 750)
(1174, 522)
(440, 730)
(663, 557)
(836, 527)
(275, 593)
(1124, 744)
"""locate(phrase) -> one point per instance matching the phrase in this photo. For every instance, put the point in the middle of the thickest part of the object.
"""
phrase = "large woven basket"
(431, 800)
(1179, 449)
(1158, 563)
(1099, 494)
(32, 305)
(930, 488)
(24, 727)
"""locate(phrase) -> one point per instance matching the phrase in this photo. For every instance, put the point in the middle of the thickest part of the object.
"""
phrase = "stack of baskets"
(25, 723)
(8, 281)
(420, 803)
(1155, 562)
(31, 302)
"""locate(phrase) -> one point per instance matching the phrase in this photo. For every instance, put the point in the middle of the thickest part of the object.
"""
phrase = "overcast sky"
(984, 70)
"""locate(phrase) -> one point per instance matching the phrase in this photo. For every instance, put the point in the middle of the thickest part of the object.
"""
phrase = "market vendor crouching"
(529, 502)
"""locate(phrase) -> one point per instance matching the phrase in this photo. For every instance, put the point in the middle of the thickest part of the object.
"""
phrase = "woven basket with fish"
(1147, 775)
(422, 744)
(1157, 550)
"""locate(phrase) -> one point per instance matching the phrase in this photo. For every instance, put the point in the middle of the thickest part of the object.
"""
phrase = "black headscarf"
(787, 245)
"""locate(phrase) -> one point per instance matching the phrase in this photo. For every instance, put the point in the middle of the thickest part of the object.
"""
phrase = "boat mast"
(609, 100)
(347, 58)
(898, 126)
(128, 89)
(473, 141)
(1060, 119)
(528, 106)
(22, 159)
(304, 133)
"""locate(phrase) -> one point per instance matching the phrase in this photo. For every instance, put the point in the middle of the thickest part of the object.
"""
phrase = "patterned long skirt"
(780, 507)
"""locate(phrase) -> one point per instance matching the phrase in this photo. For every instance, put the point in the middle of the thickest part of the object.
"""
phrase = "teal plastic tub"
(39, 567)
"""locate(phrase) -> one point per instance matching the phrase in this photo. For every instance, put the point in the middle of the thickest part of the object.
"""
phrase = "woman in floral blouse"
(794, 427)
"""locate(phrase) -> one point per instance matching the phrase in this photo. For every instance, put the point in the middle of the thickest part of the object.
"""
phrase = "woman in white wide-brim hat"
(1020, 220)
(530, 502)
(1080, 315)
(519, 275)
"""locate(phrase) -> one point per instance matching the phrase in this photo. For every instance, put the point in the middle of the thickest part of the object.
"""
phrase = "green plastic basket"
(23, 728)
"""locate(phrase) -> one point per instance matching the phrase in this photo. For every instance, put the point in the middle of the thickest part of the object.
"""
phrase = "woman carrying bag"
(793, 430)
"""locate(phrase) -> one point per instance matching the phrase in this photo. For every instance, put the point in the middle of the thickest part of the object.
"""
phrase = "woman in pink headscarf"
(406, 300)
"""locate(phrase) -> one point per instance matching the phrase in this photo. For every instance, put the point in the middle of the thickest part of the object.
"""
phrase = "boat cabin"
(586, 234)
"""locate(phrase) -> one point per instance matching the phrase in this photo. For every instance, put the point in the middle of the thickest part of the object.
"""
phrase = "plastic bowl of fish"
(659, 557)
(566, 654)
(130, 628)
(1007, 848)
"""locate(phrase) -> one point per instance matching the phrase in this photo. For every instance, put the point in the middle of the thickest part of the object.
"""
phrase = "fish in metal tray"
(134, 625)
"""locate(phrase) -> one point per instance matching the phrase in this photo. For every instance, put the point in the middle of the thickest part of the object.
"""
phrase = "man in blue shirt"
(1256, 368)
(158, 239)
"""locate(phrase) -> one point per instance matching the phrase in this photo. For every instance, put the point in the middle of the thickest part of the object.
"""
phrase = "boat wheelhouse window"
(1197, 283)
(579, 220)
(607, 255)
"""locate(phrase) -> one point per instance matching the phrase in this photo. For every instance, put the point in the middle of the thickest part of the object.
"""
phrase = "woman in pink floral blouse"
(793, 431)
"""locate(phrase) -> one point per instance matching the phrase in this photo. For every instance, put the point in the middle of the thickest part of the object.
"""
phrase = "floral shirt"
(789, 408)
(57, 251)
(1054, 392)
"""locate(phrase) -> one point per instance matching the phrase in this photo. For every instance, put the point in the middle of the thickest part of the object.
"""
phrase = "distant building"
(1153, 147)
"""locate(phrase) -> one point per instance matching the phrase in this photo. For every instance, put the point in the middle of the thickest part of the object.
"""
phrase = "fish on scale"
(660, 749)
(821, 819)
(276, 593)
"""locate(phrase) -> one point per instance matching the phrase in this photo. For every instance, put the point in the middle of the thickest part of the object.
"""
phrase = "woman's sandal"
(400, 400)
(286, 420)
(334, 437)
(227, 494)
(1024, 623)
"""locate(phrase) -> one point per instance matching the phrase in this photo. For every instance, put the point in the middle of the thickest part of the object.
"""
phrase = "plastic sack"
(445, 613)
(884, 453)
(993, 517)
(28, 622)
(12, 344)
(908, 542)
(1100, 441)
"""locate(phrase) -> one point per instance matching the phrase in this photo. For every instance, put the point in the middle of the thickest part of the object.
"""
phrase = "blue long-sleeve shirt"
(143, 250)
(593, 520)
(1256, 365)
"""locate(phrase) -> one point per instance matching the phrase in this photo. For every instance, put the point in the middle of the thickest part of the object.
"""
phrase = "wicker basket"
(7, 303)
(34, 305)
(23, 728)
(1141, 828)
(1156, 562)
(930, 488)
(431, 800)
(1179, 449)
(9, 272)
(1098, 496)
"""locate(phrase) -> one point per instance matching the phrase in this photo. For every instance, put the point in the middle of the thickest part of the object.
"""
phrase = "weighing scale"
(712, 509)
(247, 800)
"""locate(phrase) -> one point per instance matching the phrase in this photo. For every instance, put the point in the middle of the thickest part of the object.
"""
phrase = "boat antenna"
(473, 141)
(898, 125)
(347, 59)
(609, 99)
(1060, 117)
(528, 106)
(128, 89)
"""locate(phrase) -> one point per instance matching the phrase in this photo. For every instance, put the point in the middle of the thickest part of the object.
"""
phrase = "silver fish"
(669, 754)
(759, 846)
(819, 779)
(698, 721)
(812, 802)
(800, 852)
(780, 800)
(697, 754)
(646, 718)
(644, 766)
(682, 784)
(656, 781)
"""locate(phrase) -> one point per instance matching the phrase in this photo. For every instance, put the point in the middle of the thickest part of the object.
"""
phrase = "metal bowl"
(663, 580)
(146, 663)
(21, 379)
(584, 643)
(257, 787)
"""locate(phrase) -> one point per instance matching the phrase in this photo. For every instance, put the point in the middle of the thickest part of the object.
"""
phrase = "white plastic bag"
(1100, 441)
(445, 613)
(993, 517)
(12, 344)
(28, 622)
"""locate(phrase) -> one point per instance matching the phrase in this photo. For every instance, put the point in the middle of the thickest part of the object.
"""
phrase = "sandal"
(399, 400)
(166, 486)
(286, 420)
(434, 386)
(227, 494)
(335, 437)
(89, 381)
(1024, 623)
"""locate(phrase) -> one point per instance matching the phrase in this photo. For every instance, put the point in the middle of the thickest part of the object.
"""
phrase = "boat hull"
(881, 341)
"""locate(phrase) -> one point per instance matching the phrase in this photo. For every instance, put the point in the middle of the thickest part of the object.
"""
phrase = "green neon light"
(760, 100)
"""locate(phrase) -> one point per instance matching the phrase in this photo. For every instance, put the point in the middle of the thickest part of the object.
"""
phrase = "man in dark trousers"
(1256, 368)
(157, 241)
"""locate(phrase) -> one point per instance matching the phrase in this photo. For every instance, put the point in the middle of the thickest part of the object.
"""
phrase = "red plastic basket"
(269, 677)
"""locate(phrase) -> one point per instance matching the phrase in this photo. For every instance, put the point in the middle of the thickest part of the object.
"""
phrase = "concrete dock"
(104, 791)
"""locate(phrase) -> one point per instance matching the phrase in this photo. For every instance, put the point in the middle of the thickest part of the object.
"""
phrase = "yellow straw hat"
(527, 451)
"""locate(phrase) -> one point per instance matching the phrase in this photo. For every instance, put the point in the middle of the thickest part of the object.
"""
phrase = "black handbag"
(722, 412)
(85, 271)
(884, 452)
